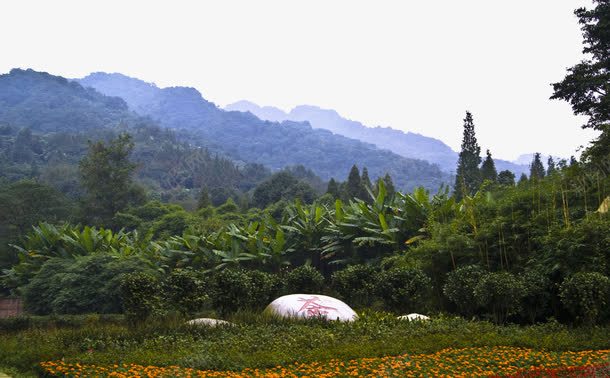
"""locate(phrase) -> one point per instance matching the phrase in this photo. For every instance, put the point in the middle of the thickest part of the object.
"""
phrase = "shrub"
(537, 294)
(585, 295)
(459, 288)
(140, 293)
(236, 289)
(404, 290)
(500, 294)
(88, 284)
(356, 284)
(304, 279)
(184, 291)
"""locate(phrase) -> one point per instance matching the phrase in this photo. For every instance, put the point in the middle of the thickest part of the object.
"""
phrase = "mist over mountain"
(407, 144)
(245, 137)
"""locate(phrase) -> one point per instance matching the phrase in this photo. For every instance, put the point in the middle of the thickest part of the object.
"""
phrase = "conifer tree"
(366, 181)
(204, 198)
(468, 175)
(366, 185)
(536, 168)
(506, 178)
(550, 166)
(523, 179)
(488, 169)
(353, 188)
(389, 185)
(333, 188)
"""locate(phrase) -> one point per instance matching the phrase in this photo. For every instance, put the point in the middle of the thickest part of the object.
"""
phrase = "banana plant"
(304, 227)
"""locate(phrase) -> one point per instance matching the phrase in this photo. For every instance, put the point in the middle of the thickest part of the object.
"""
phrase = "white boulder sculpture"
(311, 306)
(209, 322)
(414, 316)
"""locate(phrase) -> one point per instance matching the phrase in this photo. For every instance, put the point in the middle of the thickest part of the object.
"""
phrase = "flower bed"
(467, 362)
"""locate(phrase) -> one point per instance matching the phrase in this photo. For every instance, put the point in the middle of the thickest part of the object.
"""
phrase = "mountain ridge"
(245, 137)
(407, 144)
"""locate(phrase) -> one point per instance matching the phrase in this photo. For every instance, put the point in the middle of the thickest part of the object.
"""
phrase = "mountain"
(46, 122)
(245, 137)
(407, 144)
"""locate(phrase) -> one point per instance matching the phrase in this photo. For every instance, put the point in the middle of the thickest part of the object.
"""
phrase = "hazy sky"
(411, 65)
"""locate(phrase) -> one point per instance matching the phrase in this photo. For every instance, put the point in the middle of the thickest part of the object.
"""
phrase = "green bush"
(184, 291)
(404, 290)
(585, 295)
(304, 279)
(537, 294)
(85, 285)
(356, 284)
(500, 294)
(459, 288)
(140, 293)
(237, 290)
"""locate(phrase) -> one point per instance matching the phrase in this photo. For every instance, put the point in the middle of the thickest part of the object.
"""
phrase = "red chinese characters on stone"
(313, 308)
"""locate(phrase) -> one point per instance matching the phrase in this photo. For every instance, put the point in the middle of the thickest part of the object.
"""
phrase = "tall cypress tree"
(488, 169)
(353, 188)
(468, 175)
(536, 168)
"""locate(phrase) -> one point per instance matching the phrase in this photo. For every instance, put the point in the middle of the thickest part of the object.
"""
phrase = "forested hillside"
(407, 144)
(276, 145)
(46, 121)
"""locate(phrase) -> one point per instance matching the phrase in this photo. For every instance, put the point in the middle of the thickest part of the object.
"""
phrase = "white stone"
(414, 316)
(209, 322)
(311, 306)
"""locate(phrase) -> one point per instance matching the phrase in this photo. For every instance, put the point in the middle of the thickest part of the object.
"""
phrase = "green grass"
(261, 341)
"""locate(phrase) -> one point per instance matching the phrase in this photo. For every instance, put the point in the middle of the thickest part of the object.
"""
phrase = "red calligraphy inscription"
(313, 308)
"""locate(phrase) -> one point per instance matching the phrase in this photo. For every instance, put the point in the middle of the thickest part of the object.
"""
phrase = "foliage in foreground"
(265, 342)
(471, 362)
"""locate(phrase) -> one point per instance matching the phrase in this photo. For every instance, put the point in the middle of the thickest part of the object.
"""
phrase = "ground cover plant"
(262, 342)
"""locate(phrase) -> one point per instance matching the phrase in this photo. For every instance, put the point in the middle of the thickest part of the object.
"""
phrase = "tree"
(506, 178)
(536, 168)
(523, 179)
(366, 181)
(550, 166)
(488, 169)
(204, 199)
(389, 185)
(333, 188)
(354, 183)
(106, 173)
(468, 176)
(586, 84)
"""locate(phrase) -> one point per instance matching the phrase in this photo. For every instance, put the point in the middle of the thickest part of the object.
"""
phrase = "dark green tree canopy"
(468, 175)
(537, 170)
(586, 84)
(353, 188)
(106, 173)
(333, 188)
(506, 177)
(488, 169)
